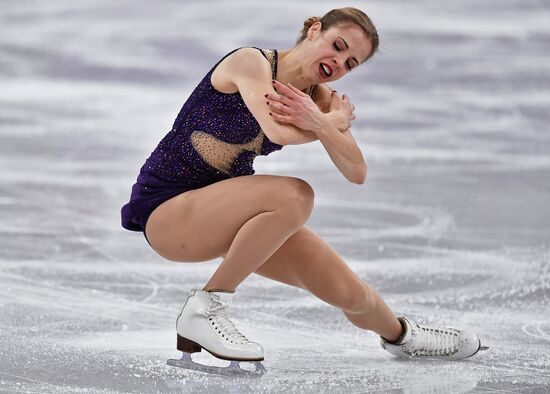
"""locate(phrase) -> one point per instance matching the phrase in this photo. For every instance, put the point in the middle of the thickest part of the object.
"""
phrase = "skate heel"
(187, 346)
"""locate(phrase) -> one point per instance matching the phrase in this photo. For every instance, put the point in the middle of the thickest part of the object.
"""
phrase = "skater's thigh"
(201, 224)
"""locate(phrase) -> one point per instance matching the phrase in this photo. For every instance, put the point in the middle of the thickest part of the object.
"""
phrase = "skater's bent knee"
(299, 197)
(355, 298)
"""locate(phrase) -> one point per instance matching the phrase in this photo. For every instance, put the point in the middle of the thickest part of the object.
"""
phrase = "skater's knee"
(298, 198)
(355, 298)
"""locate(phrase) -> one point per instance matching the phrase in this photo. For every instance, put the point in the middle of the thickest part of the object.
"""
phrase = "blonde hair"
(340, 16)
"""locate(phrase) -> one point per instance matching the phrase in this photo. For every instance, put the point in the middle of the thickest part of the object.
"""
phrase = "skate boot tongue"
(216, 311)
(223, 296)
(218, 302)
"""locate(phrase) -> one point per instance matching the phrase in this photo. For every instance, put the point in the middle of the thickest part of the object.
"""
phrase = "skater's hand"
(341, 111)
(292, 106)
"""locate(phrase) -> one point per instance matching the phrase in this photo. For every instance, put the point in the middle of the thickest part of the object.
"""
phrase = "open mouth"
(325, 70)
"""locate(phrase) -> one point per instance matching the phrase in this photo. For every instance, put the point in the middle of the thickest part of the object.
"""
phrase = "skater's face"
(335, 52)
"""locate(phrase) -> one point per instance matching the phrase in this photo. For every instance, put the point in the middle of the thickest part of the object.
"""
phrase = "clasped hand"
(292, 106)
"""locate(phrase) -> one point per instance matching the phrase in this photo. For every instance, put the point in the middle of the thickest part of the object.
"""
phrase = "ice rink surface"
(451, 227)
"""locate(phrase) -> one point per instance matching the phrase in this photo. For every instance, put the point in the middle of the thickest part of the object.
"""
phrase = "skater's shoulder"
(249, 61)
(241, 65)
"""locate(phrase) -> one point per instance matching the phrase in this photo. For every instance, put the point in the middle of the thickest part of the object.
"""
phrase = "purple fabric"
(174, 167)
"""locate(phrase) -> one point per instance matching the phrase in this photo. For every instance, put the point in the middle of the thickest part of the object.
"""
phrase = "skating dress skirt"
(214, 137)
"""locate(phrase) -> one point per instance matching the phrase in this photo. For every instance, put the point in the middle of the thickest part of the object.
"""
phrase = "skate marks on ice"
(104, 301)
(215, 384)
(94, 311)
(106, 337)
(540, 330)
(428, 380)
(298, 362)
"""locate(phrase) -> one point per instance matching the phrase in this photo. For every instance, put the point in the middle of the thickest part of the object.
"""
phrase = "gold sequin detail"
(270, 56)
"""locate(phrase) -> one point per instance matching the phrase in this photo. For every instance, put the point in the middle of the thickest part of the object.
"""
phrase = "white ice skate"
(203, 323)
(427, 342)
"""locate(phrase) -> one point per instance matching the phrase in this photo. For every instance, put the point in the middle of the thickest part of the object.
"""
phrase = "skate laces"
(428, 341)
(216, 311)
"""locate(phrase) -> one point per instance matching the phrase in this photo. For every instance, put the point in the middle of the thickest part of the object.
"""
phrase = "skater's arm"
(299, 136)
(344, 152)
(251, 74)
(297, 108)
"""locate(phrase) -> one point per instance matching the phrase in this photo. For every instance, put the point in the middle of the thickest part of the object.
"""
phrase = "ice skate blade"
(233, 369)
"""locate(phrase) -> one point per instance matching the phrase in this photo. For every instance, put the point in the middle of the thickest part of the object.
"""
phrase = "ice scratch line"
(85, 240)
(526, 328)
(30, 380)
(63, 291)
(539, 329)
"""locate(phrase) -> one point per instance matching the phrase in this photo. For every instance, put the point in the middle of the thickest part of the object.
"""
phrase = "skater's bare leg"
(307, 261)
(246, 219)
(232, 218)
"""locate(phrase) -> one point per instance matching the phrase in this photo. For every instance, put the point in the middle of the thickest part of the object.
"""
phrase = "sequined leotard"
(214, 137)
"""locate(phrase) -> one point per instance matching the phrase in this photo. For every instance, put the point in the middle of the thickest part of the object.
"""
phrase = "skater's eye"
(339, 44)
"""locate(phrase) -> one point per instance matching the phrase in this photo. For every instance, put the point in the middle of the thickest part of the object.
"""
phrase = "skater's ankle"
(401, 335)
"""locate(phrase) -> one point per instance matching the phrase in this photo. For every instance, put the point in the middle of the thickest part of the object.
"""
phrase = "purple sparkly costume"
(214, 137)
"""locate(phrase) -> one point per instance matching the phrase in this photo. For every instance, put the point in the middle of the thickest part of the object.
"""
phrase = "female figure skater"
(196, 197)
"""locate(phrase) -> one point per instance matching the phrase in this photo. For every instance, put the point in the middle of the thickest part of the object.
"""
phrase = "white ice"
(451, 227)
